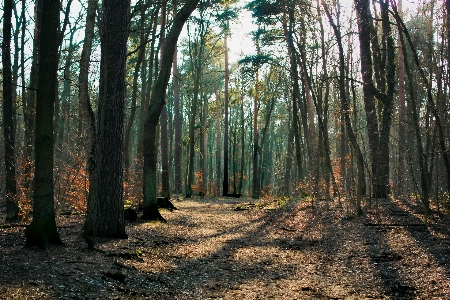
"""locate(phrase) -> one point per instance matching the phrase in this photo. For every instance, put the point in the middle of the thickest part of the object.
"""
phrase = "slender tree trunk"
(8, 119)
(156, 105)
(133, 108)
(402, 118)
(42, 231)
(431, 103)
(88, 117)
(219, 147)
(425, 176)
(178, 188)
(345, 107)
(225, 122)
(165, 176)
(288, 161)
(295, 85)
(193, 114)
(242, 164)
(30, 104)
(204, 144)
(255, 180)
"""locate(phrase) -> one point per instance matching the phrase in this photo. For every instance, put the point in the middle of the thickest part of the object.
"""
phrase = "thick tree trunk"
(156, 106)
(109, 219)
(364, 26)
(42, 231)
(149, 83)
(8, 116)
(383, 186)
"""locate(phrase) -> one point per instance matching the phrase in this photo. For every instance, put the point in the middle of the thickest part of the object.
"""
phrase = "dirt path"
(209, 251)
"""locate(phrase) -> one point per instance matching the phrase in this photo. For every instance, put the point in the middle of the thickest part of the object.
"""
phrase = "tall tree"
(178, 185)
(165, 176)
(378, 135)
(288, 28)
(345, 108)
(225, 122)
(8, 115)
(107, 219)
(143, 36)
(42, 231)
(87, 114)
(219, 146)
(156, 105)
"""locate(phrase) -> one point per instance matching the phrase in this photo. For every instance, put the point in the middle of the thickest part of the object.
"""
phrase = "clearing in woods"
(208, 250)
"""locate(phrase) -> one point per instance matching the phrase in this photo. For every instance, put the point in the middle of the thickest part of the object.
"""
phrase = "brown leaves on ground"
(207, 250)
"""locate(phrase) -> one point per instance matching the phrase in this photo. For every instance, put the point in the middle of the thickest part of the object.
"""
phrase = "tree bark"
(109, 218)
(12, 207)
(345, 108)
(165, 176)
(225, 121)
(178, 186)
(295, 86)
(42, 231)
(219, 147)
(156, 105)
(129, 124)
(364, 28)
(255, 173)
(402, 118)
(87, 114)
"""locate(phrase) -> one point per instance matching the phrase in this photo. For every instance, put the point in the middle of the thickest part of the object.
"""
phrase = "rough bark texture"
(156, 105)
(364, 27)
(108, 220)
(382, 187)
(87, 114)
(8, 119)
(42, 231)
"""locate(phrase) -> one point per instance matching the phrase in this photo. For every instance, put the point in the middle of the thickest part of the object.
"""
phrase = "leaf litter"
(210, 250)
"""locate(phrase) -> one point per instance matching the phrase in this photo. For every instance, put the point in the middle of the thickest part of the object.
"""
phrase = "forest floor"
(208, 250)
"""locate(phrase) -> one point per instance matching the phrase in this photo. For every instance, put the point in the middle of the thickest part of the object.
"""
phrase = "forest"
(199, 149)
